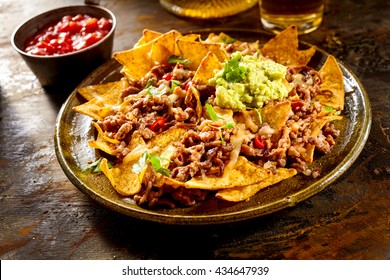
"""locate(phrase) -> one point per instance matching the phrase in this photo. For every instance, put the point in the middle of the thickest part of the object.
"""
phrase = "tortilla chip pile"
(241, 178)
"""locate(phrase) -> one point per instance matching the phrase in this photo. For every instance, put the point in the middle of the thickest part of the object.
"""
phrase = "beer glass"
(276, 15)
(207, 9)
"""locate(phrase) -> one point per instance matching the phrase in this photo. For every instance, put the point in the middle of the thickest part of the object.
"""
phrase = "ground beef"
(200, 153)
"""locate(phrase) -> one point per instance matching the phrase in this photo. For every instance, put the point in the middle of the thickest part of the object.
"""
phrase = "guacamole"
(248, 81)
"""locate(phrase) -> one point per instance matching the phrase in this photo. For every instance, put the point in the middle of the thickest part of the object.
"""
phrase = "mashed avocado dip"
(247, 81)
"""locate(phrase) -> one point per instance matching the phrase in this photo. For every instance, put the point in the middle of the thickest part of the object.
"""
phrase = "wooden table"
(43, 216)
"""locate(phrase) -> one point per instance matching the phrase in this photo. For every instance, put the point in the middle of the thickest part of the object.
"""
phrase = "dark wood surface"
(43, 216)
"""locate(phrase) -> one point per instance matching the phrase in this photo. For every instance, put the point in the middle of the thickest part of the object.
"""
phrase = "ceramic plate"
(72, 131)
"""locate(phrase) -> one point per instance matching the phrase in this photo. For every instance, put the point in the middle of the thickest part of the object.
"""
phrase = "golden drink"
(276, 15)
(206, 9)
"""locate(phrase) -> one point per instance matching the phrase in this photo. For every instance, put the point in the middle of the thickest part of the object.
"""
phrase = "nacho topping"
(249, 81)
(192, 118)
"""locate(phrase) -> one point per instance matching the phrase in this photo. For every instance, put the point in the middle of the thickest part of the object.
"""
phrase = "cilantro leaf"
(213, 115)
(174, 84)
(328, 108)
(150, 83)
(95, 166)
(258, 114)
(228, 40)
(173, 59)
(155, 162)
(228, 125)
(233, 72)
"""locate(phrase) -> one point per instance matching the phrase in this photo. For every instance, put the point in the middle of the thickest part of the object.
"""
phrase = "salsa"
(71, 33)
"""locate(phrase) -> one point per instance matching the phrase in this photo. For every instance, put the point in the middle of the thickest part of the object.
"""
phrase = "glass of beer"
(277, 15)
(207, 9)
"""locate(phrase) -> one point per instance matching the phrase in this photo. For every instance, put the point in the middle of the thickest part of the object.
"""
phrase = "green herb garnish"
(150, 83)
(258, 114)
(214, 117)
(173, 59)
(174, 85)
(155, 162)
(233, 72)
(228, 125)
(328, 108)
(95, 166)
(228, 40)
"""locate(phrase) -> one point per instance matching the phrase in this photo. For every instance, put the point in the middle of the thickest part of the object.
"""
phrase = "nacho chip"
(93, 91)
(316, 127)
(196, 51)
(101, 105)
(283, 48)
(148, 35)
(123, 180)
(140, 59)
(137, 147)
(165, 155)
(158, 143)
(101, 144)
(222, 38)
(332, 86)
(163, 47)
(104, 136)
(136, 61)
(243, 173)
(276, 115)
(191, 37)
(193, 97)
(209, 64)
(237, 194)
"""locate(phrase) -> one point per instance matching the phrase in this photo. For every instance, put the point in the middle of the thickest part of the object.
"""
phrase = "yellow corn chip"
(101, 105)
(283, 48)
(315, 127)
(243, 173)
(196, 51)
(92, 91)
(237, 194)
(332, 86)
(148, 35)
(207, 67)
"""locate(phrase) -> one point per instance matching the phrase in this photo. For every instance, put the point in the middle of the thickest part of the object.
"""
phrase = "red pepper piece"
(157, 124)
(188, 85)
(259, 143)
(167, 77)
(296, 104)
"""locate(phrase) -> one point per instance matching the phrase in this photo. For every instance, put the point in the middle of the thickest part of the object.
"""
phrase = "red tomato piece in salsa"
(71, 33)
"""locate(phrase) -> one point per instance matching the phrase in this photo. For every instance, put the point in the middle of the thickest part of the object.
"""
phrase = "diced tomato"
(91, 25)
(167, 77)
(104, 24)
(157, 124)
(295, 104)
(70, 34)
(189, 84)
(92, 38)
(259, 143)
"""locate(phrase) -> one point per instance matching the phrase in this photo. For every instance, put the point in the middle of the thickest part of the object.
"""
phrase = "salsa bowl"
(65, 70)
